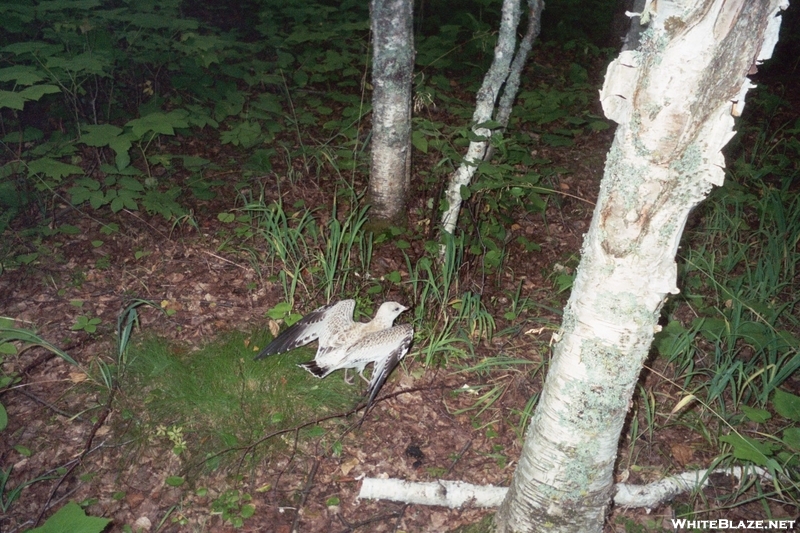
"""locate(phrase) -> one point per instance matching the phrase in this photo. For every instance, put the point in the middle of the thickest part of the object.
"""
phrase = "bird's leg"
(347, 380)
(361, 373)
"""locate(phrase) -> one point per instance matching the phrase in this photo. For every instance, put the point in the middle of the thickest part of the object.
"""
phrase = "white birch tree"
(674, 100)
(503, 75)
(392, 74)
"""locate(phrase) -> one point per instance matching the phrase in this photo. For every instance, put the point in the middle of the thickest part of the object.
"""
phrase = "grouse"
(345, 344)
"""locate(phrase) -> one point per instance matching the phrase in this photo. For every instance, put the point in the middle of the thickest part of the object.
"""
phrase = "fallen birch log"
(453, 494)
(457, 494)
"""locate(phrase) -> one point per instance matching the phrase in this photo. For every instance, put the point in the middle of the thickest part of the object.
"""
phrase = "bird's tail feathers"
(314, 368)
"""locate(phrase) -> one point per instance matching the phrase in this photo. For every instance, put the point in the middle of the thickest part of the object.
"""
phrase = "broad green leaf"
(11, 100)
(231, 105)
(393, 276)
(247, 510)
(420, 141)
(6, 348)
(474, 137)
(246, 134)
(72, 518)
(40, 48)
(300, 77)
(97, 199)
(27, 259)
(80, 194)
(23, 450)
(60, 5)
(292, 318)
(21, 74)
(159, 122)
(315, 431)
(756, 415)
(280, 309)
(130, 183)
(85, 63)
(556, 140)
(163, 202)
(35, 92)
(712, 328)
(193, 162)
(156, 21)
(90, 183)
(52, 168)
(268, 102)
(3, 417)
(174, 481)
(69, 229)
(489, 124)
(110, 228)
(748, 449)
(100, 135)
(261, 160)
(117, 204)
(791, 437)
(787, 405)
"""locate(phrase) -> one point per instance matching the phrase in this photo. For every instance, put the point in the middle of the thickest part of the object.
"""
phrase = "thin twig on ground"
(400, 514)
(47, 404)
(250, 448)
(458, 457)
(306, 491)
(86, 450)
(352, 527)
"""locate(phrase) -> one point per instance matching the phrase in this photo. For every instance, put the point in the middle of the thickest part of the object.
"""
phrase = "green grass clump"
(217, 398)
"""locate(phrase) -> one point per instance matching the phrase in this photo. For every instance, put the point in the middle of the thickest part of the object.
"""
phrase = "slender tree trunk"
(392, 73)
(674, 100)
(506, 104)
(484, 110)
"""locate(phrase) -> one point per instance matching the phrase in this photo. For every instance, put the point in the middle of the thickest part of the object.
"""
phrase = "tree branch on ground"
(455, 494)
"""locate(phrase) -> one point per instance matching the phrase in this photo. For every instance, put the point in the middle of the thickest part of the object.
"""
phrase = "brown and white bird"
(344, 343)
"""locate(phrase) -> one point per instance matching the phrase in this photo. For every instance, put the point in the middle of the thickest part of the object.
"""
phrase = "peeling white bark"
(453, 494)
(457, 494)
(673, 100)
(660, 492)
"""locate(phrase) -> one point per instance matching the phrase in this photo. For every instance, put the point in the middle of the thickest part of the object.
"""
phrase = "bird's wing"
(386, 348)
(336, 333)
(307, 329)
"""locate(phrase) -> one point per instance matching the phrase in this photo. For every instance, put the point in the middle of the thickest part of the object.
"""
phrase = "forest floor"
(420, 430)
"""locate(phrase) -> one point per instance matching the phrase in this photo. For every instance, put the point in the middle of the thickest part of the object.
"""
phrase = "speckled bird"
(345, 344)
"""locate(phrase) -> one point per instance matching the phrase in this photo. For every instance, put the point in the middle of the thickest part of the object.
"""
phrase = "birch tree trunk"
(493, 82)
(674, 100)
(392, 73)
(506, 104)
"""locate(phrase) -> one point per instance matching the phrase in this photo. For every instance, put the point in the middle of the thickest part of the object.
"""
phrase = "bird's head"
(388, 311)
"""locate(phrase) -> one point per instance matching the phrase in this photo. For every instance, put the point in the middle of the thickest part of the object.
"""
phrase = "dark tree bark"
(392, 73)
